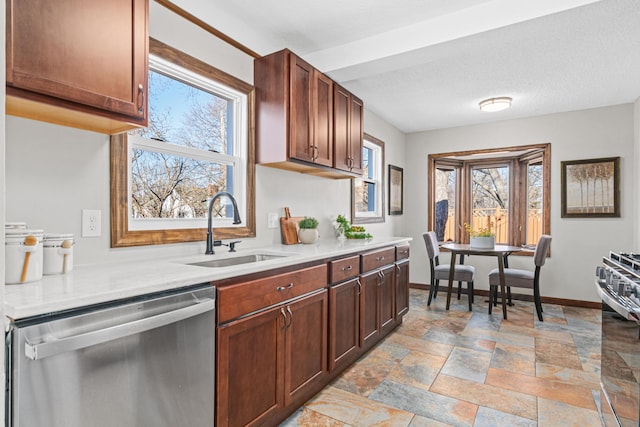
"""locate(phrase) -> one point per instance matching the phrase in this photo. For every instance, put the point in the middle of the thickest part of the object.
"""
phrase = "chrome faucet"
(236, 219)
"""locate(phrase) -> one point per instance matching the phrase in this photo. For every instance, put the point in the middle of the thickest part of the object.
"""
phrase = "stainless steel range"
(618, 284)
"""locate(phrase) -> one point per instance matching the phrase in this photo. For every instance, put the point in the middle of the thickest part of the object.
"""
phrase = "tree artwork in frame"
(591, 188)
(395, 190)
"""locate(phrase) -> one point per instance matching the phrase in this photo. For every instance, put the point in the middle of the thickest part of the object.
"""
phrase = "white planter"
(308, 235)
(483, 242)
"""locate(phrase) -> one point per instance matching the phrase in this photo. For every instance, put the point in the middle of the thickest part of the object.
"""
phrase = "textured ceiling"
(425, 64)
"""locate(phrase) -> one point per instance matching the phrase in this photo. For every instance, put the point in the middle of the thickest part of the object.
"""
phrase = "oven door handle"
(623, 311)
(88, 339)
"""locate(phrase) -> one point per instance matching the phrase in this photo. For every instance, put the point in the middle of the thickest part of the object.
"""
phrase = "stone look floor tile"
(557, 353)
(417, 369)
(461, 368)
(467, 364)
(514, 403)
(514, 358)
(306, 417)
(572, 394)
(424, 403)
(356, 410)
(488, 417)
(553, 414)
(365, 375)
(574, 376)
(419, 421)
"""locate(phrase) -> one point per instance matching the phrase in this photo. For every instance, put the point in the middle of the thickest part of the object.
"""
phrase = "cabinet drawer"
(344, 269)
(378, 258)
(243, 298)
(402, 252)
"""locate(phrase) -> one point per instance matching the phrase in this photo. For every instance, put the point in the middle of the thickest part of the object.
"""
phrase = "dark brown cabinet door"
(305, 344)
(369, 317)
(322, 152)
(250, 365)
(88, 54)
(344, 322)
(341, 131)
(348, 131)
(356, 134)
(300, 125)
(402, 289)
(387, 298)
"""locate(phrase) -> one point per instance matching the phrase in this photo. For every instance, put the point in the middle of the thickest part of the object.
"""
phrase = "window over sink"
(197, 143)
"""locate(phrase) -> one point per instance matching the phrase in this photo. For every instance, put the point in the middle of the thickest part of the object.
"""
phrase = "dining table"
(499, 251)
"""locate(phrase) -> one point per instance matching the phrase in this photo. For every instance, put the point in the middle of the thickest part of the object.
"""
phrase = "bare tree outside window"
(164, 185)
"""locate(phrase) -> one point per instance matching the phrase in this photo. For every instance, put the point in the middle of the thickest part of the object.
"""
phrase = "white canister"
(58, 253)
(16, 259)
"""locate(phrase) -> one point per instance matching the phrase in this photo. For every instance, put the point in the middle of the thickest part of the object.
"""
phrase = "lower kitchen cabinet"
(267, 360)
(305, 345)
(283, 337)
(250, 360)
(377, 304)
(344, 322)
(402, 289)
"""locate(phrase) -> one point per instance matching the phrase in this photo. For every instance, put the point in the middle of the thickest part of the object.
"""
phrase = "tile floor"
(459, 368)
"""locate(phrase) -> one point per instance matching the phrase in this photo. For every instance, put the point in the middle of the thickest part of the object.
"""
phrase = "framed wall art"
(591, 188)
(395, 190)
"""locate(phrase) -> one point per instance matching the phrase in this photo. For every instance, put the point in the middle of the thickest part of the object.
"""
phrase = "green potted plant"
(308, 230)
(483, 237)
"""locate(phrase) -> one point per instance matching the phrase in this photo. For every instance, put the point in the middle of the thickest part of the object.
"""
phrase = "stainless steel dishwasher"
(147, 361)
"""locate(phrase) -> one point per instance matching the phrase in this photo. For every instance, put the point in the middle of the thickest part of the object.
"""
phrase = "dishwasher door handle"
(77, 342)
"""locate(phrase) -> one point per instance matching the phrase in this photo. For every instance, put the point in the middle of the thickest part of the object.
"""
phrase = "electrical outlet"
(91, 223)
(272, 220)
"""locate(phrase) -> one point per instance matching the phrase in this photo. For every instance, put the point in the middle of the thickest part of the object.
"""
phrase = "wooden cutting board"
(289, 228)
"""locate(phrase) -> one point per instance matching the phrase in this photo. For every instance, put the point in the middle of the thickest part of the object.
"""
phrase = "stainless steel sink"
(245, 259)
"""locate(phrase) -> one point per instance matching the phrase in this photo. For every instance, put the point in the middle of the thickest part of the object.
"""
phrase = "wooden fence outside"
(500, 224)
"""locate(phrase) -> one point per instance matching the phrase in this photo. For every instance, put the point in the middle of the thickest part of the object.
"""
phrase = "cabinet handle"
(359, 287)
(141, 99)
(314, 152)
(284, 319)
(345, 269)
(406, 251)
(284, 288)
(290, 315)
(397, 270)
(380, 258)
(381, 276)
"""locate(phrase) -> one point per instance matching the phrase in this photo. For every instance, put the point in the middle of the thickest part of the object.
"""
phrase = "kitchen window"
(197, 143)
(367, 192)
(507, 189)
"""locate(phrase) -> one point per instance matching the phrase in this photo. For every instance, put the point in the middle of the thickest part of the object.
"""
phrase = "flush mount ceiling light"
(495, 104)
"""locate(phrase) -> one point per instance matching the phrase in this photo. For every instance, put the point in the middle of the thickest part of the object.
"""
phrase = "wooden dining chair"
(517, 278)
(461, 273)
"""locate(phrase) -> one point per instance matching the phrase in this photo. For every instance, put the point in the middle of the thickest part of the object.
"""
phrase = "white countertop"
(94, 284)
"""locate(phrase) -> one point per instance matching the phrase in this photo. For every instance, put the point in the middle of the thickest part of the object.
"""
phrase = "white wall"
(578, 244)
(54, 172)
(636, 176)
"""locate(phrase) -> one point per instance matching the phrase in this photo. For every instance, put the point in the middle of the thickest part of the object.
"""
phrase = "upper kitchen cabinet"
(296, 118)
(348, 129)
(78, 63)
